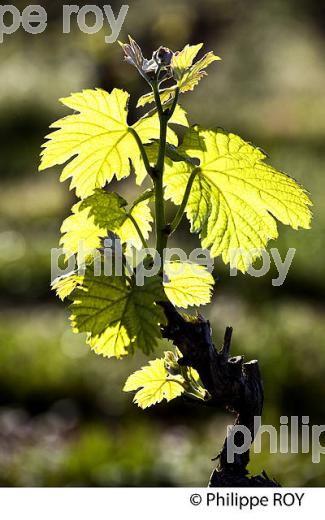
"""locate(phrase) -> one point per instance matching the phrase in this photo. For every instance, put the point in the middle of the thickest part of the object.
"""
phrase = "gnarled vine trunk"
(233, 385)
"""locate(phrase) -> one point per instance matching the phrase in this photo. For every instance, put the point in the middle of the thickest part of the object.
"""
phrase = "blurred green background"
(64, 419)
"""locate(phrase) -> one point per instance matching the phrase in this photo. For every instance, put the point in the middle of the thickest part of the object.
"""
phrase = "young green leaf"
(64, 285)
(186, 74)
(187, 284)
(183, 60)
(109, 211)
(191, 380)
(155, 384)
(235, 195)
(99, 213)
(118, 316)
(189, 79)
(165, 379)
(100, 138)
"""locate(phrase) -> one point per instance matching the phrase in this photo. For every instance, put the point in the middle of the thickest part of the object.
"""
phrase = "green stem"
(155, 89)
(161, 229)
(138, 230)
(181, 210)
(174, 104)
(142, 151)
(157, 173)
(148, 194)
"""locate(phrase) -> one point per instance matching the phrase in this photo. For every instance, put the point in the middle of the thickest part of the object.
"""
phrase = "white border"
(148, 503)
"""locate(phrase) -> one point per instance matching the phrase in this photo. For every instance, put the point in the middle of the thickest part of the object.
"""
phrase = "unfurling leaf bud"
(163, 56)
(161, 59)
(133, 56)
(171, 364)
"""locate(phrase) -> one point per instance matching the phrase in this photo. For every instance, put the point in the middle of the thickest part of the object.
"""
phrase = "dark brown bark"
(233, 385)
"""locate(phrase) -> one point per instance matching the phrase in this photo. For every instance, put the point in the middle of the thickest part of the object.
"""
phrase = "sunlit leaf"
(118, 315)
(98, 139)
(191, 78)
(235, 195)
(100, 213)
(109, 211)
(154, 384)
(187, 284)
(64, 285)
(183, 60)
